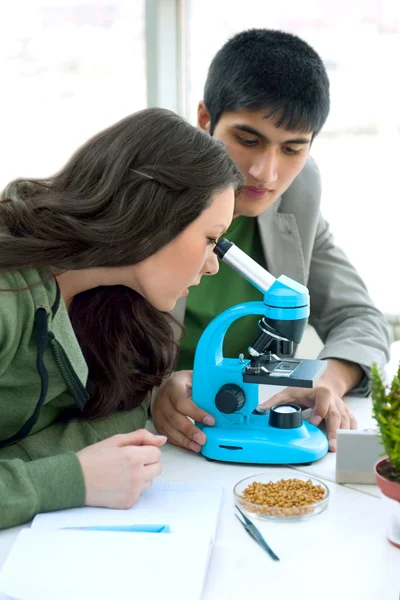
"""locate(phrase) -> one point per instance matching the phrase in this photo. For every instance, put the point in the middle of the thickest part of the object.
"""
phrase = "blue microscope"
(228, 388)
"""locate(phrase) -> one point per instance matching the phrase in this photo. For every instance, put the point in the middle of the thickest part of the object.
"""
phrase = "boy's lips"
(256, 193)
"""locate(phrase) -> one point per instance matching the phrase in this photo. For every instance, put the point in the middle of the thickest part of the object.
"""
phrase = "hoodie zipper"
(71, 379)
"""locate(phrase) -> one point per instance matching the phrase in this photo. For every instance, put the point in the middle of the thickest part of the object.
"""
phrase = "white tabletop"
(340, 553)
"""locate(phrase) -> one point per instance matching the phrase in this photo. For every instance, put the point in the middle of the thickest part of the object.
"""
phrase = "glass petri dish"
(261, 510)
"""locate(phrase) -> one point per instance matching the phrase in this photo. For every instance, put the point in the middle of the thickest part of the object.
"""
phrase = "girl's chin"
(168, 306)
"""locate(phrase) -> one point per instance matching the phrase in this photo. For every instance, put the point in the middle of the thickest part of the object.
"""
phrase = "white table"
(341, 553)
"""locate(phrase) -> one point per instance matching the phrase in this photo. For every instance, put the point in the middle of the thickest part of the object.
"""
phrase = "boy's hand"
(325, 404)
(173, 409)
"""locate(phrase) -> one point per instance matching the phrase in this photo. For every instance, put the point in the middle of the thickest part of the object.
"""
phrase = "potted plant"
(386, 410)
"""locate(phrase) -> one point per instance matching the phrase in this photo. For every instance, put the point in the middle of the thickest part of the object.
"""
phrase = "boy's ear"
(203, 118)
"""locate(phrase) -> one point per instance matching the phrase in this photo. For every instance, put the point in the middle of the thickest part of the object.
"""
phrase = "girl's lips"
(256, 193)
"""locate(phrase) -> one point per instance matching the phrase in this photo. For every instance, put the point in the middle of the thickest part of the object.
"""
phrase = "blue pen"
(130, 528)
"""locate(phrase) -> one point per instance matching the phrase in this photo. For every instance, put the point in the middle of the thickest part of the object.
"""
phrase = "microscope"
(228, 388)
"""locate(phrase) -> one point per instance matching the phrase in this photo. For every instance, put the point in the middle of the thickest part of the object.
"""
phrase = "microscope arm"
(209, 348)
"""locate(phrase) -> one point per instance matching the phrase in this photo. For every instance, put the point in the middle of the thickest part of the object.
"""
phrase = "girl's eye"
(212, 240)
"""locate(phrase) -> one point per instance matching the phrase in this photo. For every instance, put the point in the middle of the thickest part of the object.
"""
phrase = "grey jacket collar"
(279, 230)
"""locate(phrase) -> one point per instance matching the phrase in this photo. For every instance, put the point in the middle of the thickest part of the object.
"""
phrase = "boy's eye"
(249, 143)
(212, 240)
(290, 151)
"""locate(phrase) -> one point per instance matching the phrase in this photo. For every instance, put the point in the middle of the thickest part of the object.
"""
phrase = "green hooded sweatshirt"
(42, 373)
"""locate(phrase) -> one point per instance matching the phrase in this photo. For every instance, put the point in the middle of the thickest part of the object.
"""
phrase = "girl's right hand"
(117, 470)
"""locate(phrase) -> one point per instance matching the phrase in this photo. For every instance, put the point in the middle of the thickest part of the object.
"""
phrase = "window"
(358, 151)
(68, 69)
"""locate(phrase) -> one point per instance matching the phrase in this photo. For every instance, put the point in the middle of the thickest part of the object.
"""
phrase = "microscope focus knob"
(285, 416)
(230, 398)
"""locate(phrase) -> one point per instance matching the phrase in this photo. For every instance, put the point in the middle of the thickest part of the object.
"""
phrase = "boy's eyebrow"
(252, 131)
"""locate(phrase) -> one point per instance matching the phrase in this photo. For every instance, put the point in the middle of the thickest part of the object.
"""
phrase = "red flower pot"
(390, 491)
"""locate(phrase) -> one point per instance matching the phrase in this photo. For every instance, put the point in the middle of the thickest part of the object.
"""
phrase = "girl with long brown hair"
(91, 262)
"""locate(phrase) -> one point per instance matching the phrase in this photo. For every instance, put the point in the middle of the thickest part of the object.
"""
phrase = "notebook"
(48, 563)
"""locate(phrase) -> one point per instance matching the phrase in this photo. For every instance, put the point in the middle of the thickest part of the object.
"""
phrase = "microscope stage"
(285, 372)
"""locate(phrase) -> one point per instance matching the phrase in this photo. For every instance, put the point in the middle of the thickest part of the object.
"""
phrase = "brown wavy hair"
(98, 211)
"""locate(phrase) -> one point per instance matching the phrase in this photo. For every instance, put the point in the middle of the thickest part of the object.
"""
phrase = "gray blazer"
(297, 242)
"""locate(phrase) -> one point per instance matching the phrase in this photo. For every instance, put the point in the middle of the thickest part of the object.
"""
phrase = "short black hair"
(269, 69)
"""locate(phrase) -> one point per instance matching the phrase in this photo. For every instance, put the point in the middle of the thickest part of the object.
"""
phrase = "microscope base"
(266, 445)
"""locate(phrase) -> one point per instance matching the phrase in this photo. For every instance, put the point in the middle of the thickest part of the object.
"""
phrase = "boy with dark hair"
(269, 71)
(266, 97)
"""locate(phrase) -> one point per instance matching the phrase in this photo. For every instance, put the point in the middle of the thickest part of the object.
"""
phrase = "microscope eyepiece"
(241, 262)
(222, 247)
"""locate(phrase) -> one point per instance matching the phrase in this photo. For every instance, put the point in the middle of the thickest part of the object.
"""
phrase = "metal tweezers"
(255, 534)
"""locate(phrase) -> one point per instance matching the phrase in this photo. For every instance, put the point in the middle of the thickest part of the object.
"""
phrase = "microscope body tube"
(240, 262)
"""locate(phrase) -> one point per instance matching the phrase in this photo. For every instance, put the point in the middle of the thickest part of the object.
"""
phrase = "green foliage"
(386, 410)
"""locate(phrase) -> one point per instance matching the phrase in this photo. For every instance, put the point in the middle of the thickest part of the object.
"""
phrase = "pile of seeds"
(286, 497)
